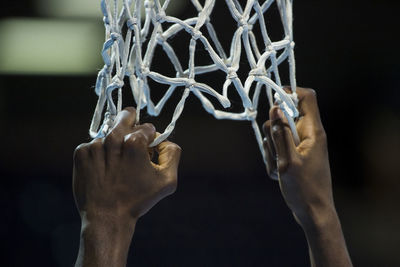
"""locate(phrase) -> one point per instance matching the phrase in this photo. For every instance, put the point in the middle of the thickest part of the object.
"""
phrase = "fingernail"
(277, 114)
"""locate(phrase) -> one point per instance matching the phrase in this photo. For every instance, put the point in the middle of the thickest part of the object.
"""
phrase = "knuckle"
(321, 135)
(135, 140)
(140, 137)
(130, 142)
(266, 126)
(130, 109)
(174, 147)
(283, 165)
(81, 151)
(149, 126)
(291, 161)
(111, 138)
(311, 92)
(95, 146)
(277, 130)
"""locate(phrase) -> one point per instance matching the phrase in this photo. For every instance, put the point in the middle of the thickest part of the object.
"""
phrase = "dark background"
(226, 212)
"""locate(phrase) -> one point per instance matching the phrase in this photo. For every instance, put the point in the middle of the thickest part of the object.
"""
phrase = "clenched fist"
(115, 182)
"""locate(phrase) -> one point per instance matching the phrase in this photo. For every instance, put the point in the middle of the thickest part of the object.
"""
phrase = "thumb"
(168, 157)
(285, 147)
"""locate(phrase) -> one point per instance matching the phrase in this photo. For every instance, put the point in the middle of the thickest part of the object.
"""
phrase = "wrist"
(108, 226)
(105, 240)
(325, 238)
(113, 220)
(317, 220)
(114, 229)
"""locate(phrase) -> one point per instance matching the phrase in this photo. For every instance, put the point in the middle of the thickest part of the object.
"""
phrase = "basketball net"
(131, 55)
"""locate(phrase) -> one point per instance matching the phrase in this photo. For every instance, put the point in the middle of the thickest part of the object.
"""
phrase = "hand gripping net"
(131, 55)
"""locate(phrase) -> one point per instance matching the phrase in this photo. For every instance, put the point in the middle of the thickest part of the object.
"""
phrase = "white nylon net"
(131, 55)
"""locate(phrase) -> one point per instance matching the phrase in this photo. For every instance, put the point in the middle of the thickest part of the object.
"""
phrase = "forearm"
(105, 242)
(326, 242)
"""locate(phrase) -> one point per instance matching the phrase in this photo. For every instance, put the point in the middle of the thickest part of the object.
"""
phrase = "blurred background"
(226, 211)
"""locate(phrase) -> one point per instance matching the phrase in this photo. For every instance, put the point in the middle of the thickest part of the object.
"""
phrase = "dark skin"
(305, 179)
(115, 183)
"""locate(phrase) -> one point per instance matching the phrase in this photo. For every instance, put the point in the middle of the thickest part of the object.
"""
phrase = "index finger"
(125, 120)
(308, 106)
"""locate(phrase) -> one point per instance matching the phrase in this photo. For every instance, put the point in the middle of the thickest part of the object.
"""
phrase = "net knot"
(109, 116)
(104, 71)
(292, 44)
(144, 70)
(148, 4)
(160, 17)
(231, 74)
(115, 36)
(108, 122)
(257, 72)
(244, 24)
(106, 20)
(190, 83)
(196, 34)
(129, 71)
(131, 23)
(161, 38)
(116, 82)
(251, 114)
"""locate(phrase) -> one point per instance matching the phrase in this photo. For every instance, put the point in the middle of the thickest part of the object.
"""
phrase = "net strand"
(132, 56)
